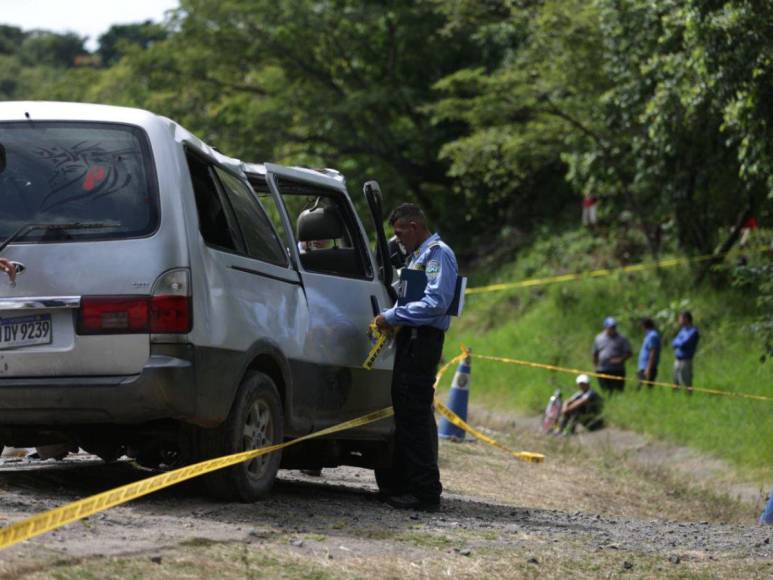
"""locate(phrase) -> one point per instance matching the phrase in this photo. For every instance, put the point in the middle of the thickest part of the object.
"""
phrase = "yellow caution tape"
(445, 367)
(77, 510)
(669, 263)
(375, 351)
(456, 420)
(617, 378)
(459, 422)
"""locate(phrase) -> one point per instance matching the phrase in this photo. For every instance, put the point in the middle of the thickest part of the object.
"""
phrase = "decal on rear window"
(77, 173)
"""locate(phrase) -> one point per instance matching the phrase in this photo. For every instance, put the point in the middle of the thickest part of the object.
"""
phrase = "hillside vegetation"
(495, 116)
(555, 324)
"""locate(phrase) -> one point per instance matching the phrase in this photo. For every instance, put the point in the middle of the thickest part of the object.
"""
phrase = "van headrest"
(321, 223)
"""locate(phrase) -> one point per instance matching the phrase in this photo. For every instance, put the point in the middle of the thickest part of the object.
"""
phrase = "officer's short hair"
(687, 315)
(648, 323)
(409, 212)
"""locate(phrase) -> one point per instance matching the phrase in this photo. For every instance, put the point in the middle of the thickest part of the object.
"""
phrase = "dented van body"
(169, 301)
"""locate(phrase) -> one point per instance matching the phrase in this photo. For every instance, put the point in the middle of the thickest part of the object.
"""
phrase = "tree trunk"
(725, 247)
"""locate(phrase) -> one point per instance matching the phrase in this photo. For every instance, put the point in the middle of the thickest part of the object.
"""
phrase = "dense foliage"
(483, 111)
(496, 115)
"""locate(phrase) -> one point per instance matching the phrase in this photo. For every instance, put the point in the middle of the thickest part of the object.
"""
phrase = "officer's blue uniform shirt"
(438, 262)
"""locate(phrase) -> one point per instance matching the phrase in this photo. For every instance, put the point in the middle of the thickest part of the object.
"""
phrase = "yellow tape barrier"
(525, 363)
(455, 419)
(58, 517)
(527, 456)
(381, 341)
(670, 263)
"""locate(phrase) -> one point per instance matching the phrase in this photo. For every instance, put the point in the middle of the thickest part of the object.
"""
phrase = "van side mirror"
(373, 189)
(375, 201)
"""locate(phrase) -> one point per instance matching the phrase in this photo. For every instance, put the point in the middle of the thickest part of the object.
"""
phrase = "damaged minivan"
(173, 304)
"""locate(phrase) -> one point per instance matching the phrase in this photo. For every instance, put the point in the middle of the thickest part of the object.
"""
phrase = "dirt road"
(586, 512)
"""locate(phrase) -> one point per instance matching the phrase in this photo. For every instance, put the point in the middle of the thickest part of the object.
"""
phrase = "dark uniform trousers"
(415, 469)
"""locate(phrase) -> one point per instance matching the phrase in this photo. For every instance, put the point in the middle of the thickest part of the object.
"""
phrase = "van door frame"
(376, 377)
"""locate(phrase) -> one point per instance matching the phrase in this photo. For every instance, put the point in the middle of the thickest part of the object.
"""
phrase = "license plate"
(25, 331)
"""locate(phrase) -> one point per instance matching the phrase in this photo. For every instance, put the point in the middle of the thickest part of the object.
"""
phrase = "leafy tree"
(114, 43)
(9, 76)
(41, 47)
(526, 113)
(10, 38)
(678, 78)
(661, 109)
(336, 82)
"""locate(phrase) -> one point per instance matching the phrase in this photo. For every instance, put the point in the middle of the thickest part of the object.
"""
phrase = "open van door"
(374, 198)
(343, 293)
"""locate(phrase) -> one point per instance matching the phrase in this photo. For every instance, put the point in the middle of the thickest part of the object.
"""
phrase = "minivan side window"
(213, 222)
(271, 206)
(259, 236)
(329, 241)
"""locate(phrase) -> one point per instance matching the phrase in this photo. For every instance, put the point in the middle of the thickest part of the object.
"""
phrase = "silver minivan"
(174, 304)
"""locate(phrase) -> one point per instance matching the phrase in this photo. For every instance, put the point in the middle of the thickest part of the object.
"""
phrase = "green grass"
(556, 325)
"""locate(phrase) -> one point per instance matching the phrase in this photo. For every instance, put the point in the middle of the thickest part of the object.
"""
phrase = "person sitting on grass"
(584, 407)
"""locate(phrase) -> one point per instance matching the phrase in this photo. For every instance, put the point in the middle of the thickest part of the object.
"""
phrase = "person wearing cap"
(610, 351)
(584, 407)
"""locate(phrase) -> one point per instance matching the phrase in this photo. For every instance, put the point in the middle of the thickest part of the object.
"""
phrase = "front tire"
(255, 421)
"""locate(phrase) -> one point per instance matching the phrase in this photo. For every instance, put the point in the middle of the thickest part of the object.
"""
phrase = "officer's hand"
(7, 267)
(381, 323)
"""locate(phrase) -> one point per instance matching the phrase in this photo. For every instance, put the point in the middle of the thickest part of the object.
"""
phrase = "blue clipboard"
(414, 282)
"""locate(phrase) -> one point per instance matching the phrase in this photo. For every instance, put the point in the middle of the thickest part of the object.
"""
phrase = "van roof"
(64, 111)
(321, 174)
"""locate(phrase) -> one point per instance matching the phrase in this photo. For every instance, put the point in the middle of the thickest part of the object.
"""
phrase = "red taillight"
(134, 314)
(114, 314)
(170, 314)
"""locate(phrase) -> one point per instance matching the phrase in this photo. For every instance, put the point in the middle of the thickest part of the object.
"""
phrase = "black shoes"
(409, 501)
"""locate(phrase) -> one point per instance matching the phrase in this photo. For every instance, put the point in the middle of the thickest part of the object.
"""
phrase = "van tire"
(255, 420)
(107, 453)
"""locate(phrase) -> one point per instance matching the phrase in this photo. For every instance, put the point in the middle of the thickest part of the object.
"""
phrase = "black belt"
(421, 331)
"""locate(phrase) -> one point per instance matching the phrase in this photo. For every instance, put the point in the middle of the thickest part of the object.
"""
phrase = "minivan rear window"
(65, 172)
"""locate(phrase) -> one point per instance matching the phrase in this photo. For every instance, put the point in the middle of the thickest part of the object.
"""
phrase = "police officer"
(414, 480)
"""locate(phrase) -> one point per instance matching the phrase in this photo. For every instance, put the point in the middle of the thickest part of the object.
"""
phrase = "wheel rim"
(258, 432)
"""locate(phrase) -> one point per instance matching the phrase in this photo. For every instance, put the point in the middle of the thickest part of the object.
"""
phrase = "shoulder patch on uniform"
(433, 268)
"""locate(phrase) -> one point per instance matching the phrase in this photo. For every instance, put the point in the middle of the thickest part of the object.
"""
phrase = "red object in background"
(751, 223)
(589, 201)
(94, 177)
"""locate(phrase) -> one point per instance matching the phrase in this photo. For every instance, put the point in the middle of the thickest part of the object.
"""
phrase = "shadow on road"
(293, 504)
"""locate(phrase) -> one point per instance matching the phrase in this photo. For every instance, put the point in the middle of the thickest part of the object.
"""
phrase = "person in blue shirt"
(649, 355)
(685, 344)
(413, 482)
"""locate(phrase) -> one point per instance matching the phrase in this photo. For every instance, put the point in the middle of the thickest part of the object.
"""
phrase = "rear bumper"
(166, 388)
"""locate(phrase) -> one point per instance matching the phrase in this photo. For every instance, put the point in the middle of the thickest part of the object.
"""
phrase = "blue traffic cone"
(767, 515)
(458, 398)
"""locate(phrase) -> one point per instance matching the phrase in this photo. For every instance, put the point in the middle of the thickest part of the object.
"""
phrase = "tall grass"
(556, 325)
